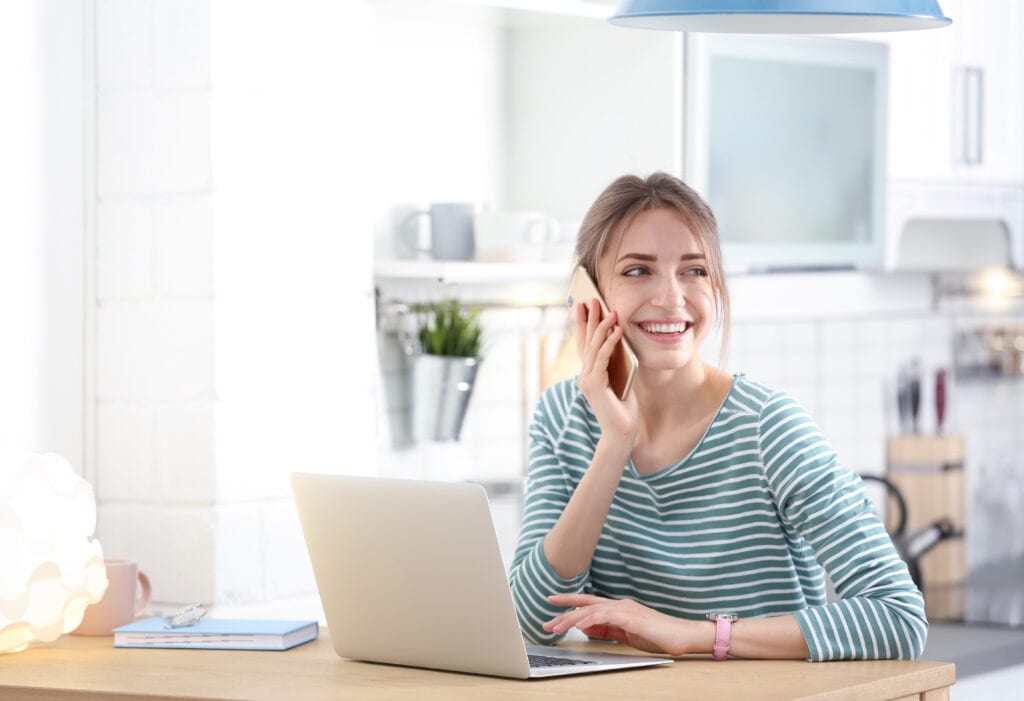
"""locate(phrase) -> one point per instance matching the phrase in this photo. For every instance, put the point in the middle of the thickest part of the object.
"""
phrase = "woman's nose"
(670, 294)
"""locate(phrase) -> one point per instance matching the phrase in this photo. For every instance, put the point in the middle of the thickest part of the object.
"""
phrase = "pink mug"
(121, 603)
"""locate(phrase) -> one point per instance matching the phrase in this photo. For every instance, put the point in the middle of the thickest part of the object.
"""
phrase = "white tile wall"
(125, 250)
(171, 543)
(157, 350)
(227, 313)
(184, 451)
(153, 142)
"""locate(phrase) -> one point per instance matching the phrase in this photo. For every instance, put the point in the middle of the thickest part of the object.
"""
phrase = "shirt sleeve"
(531, 577)
(880, 612)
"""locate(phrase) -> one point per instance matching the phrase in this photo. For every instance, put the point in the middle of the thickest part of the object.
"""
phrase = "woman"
(702, 494)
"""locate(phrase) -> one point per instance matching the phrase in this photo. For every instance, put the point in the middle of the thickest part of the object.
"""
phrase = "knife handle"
(940, 399)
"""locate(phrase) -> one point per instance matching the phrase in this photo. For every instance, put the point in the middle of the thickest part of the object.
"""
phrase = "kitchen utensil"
(911, 547)
(908, 396)
(940, 400)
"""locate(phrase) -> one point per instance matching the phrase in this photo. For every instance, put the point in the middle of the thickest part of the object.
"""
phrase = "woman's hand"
(595, 341)
(631, 623)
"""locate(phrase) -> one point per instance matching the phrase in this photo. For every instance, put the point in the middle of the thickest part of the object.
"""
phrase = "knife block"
(929, 472)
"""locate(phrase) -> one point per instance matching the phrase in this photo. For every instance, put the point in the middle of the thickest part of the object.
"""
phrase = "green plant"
(447, 328)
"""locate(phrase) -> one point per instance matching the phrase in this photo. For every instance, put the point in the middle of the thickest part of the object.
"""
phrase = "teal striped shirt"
(749, 522)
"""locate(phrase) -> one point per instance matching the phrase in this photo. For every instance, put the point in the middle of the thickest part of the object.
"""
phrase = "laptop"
(410, 573)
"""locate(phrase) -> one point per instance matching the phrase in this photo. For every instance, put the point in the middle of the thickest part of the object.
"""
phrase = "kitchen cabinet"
(956, 96)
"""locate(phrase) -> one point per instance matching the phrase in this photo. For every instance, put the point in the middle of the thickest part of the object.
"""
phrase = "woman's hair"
(617, 207)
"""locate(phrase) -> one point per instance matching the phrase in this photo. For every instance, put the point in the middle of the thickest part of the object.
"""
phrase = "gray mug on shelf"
(450, 234)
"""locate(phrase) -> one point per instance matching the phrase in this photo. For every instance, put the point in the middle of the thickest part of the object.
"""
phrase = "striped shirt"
(749, 522)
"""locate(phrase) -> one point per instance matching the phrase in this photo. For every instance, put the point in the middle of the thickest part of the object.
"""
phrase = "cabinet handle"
(969, 115)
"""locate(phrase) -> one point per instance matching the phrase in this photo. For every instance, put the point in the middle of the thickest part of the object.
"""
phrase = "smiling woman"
(701, 495)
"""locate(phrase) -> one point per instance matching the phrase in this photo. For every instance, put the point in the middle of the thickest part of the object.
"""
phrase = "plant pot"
(441, 386)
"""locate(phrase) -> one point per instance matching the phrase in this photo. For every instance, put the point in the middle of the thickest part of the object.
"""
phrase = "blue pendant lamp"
(780, 16)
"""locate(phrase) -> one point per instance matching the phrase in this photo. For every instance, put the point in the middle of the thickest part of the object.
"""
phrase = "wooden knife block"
(929, 472)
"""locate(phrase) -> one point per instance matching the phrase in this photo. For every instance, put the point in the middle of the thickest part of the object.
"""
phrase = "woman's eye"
(697, 272)
(639, 270)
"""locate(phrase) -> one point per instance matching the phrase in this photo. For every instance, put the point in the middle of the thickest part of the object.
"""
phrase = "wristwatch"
(723, 629)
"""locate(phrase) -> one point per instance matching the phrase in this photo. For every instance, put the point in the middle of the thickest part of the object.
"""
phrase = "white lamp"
(50, 566)
(780, 16)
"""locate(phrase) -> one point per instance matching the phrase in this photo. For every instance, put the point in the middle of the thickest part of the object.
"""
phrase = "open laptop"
(410, 573)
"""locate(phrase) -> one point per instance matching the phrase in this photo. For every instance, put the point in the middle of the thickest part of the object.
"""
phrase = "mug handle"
(409, 234)
(143, 602)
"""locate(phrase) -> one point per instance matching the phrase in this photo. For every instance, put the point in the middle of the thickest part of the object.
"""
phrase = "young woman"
(702, 495)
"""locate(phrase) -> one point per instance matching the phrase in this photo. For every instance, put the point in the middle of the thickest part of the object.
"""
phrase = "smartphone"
(623, 364)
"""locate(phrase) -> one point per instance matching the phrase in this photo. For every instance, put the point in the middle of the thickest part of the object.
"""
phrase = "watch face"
(723, 616)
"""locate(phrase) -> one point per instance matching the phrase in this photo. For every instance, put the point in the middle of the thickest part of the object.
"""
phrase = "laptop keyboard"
(549, 661)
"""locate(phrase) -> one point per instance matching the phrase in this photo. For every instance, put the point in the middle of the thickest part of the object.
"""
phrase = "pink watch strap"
(723, 629)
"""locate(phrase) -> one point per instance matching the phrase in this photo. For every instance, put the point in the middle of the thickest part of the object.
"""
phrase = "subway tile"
(125, 452)
(286, 566)
(499, 460)
(450, 461)
(838, 335)
(183, 229)
(173, 545)
(185, 451)
(239, 552)
(155, 350)
(124, 44)
(150, 144)
(125, 250)
(799, 336)
(406, 462)
(181, 43)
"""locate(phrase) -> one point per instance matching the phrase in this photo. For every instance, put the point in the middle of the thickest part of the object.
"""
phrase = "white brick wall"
(231, 282)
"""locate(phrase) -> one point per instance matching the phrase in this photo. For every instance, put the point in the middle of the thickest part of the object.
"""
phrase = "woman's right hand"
(596, 338)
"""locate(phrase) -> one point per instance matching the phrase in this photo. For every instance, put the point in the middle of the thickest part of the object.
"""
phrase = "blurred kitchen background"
(217, 227)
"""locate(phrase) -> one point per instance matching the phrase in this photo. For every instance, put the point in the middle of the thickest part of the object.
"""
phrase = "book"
(217, 634)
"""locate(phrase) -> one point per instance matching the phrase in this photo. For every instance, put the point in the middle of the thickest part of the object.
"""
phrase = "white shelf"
(598, 9)
(471, 272)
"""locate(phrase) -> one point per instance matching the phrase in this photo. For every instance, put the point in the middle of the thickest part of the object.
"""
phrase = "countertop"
(975, 649)
(91, 668)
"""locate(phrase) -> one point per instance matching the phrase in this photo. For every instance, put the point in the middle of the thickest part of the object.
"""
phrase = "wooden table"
(91, 668)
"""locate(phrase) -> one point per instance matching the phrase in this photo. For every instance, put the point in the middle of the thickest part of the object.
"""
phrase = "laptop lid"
(410, 573)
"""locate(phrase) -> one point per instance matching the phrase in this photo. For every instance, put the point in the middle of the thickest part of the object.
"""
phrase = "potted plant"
(443, 371)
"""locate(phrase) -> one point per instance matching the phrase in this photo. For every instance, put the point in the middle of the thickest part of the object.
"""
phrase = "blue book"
(217, 634)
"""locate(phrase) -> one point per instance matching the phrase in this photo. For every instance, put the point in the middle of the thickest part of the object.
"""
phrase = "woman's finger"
(576, 599)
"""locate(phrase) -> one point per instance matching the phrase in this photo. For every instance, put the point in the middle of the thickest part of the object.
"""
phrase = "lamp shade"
(50, 567)
(780, 16)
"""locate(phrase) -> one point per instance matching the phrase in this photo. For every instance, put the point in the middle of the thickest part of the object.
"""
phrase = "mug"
(450, 234)
(514, 236)
(122, 601)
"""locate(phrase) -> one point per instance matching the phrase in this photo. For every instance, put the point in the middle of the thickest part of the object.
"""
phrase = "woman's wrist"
(615, 451)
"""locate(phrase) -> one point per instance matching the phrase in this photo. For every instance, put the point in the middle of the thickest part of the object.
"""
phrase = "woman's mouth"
(665, 330)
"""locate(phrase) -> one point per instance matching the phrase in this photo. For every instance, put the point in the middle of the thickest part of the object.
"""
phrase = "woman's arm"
(634, 624)
(561, 524)
(880, 614)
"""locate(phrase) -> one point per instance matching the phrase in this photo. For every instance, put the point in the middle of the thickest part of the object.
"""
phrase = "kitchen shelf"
(598, 9)
(471, 272)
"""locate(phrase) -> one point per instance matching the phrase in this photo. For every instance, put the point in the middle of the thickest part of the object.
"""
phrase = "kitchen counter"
(91, 668)
(975, 649)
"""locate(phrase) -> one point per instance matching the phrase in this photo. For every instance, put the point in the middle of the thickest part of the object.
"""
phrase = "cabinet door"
(989, 49)
(920, 104)
(957, 97)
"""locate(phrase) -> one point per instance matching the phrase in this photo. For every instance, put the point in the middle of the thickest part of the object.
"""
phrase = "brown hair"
(628, 196)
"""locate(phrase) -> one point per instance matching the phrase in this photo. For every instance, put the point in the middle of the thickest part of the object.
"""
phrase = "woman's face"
(656, 279)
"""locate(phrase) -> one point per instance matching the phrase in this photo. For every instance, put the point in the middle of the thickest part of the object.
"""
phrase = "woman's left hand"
(626, 621)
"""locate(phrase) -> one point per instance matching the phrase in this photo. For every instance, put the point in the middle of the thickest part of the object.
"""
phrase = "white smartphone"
(622, 366)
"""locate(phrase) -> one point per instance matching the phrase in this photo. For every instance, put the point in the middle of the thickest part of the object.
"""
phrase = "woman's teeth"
(664, 328)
